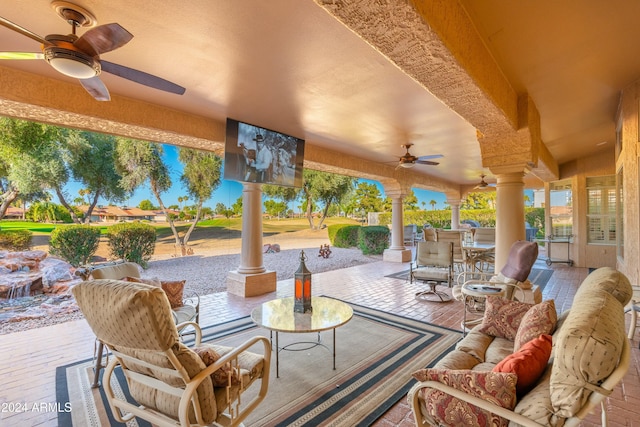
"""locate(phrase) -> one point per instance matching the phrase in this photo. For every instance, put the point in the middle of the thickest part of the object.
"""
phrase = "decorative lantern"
(302, 280)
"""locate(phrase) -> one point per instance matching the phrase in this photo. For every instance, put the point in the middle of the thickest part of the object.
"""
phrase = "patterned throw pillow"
(502, 317)
(223, 377)
(540, 319)
(174, 290)
(528, 363)
(497, 388)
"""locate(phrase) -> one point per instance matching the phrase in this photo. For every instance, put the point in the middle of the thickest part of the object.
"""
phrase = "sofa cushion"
(528, 363)
(587, 350)
(497, 388)
(609, 280)
(540, 319)
(502, 317)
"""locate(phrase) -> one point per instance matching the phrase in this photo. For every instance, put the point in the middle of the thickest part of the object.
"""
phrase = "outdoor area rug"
(375, 356)
(538, 276)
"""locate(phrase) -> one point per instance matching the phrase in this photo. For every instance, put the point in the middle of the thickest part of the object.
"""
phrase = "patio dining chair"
(433, 265)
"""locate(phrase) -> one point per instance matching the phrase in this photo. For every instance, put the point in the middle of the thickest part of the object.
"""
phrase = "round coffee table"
(278, 316)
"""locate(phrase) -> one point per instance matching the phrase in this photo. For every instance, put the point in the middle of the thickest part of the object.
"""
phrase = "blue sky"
(227, 193)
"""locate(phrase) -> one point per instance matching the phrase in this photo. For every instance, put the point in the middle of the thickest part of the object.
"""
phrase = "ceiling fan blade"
(21, 55)
(431, 156)
(103, 38)
(141, 77)
(96, 88)
(427, 162)
(17, 28)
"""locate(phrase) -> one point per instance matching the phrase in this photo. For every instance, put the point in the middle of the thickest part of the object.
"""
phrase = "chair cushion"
(117, 271)
(540, 319)
(497, 388)
(502, 317)
(186, 313)
(528, 363)
(431, 273)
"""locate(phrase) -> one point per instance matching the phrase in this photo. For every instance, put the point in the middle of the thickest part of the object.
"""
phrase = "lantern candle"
(302, 290)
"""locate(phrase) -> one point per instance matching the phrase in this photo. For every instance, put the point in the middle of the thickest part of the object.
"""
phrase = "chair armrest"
(193, 299)
(231, 357)
(414, 393)
(196, 327)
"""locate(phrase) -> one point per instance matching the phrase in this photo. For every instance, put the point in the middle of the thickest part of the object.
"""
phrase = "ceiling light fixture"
(407, 165)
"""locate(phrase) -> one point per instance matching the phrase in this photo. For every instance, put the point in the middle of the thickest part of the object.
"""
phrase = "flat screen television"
(256, 154)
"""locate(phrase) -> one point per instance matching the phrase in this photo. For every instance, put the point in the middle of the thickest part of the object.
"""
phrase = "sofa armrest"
(414, 402)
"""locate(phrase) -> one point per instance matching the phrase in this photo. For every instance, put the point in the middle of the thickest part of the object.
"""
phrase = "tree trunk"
(185, 240)
(176, 236)
(7, 198)
(64, 203)
(93, 204)
(324, 214)
(310, 213)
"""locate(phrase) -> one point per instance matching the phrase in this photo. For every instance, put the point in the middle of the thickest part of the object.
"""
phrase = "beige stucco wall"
(627, 162)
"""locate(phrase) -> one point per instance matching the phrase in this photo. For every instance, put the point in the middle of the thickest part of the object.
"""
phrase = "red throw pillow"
(528, 363)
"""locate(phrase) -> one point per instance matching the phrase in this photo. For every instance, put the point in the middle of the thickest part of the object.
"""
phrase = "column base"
(394, 255)
(251, 285)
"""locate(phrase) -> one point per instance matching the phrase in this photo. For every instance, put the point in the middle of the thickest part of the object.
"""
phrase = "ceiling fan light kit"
(68, 60)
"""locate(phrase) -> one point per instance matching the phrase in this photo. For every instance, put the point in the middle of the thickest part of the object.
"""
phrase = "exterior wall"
(582, 253)
(627, 161)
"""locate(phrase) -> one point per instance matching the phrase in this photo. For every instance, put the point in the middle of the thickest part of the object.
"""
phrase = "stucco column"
(509, 214)
(251, 277)
(455, 213)
(397, 252)
(251, 251)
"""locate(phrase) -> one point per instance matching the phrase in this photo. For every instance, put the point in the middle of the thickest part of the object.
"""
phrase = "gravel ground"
(204, 274)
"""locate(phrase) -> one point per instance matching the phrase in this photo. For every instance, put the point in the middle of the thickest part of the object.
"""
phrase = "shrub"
(15, 240)
(75, 243)
(345, 236)
(373, 240)
(133, 242)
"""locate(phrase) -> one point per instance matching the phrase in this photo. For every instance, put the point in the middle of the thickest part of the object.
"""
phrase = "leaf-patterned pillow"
(497, 388)
(502, 317)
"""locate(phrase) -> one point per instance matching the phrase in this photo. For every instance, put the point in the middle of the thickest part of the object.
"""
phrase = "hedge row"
(371, 240)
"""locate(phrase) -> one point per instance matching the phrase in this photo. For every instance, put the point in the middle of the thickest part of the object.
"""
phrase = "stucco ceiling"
(290, 66)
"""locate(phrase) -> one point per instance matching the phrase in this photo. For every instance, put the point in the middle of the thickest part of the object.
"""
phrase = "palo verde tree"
(91, 159)
(141, 161)
(30, 160)
(323, 188)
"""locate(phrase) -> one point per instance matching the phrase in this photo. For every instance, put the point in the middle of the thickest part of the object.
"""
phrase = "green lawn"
(268, 225)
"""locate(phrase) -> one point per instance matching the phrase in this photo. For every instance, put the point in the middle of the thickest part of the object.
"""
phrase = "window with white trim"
(561, 208)
(601, 210)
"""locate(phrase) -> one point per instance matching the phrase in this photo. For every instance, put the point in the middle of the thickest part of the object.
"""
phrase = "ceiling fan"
(79, 57)
(483, 184)
(409, 160)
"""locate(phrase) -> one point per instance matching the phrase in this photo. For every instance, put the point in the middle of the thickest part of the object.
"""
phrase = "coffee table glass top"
(278, 315)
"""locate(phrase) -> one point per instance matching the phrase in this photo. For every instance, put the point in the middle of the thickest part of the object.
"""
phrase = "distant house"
(14, 213)
(124, 213)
